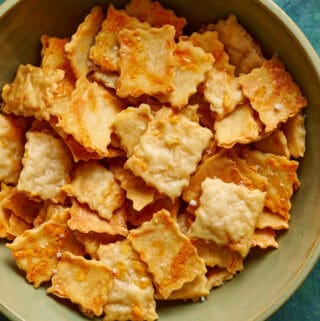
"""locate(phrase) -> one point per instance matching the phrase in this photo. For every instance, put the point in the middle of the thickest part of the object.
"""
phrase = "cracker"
(95, 186)
(195, 290)
(131, 297)
(17, 226)
(155, 14)
(272, 93)
(223, 92)
(146, 61)
(265, 238)
(295, 132)
(4, 215)
(228, 213)
(105, 51)
(107, 79)
(46, 166)
(83, 282)
(32, 92)
(168, 152)
(227, 166)
(210, 43)
(47, 211)
(282, 177)
(78, 48)
(11, 149)
(133, 120)
(217, 276)
(38, 251)
(244, 52)
(171, 259)
(21, 206)
(275, 221)
(89, 116)
(191, 67)
(136, 189)
(85, 220)
(239, 126)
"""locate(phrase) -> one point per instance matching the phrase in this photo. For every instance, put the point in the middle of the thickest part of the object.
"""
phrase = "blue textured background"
(304, 305)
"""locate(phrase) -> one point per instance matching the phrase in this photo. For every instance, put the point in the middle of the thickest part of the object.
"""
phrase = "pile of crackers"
(141, 164)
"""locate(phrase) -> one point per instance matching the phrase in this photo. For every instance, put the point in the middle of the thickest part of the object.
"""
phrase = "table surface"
(304, 305)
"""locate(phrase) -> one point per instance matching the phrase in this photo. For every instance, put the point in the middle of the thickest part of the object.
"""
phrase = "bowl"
(268, 280)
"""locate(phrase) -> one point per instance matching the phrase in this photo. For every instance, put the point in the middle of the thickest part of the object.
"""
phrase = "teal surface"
(305, 303)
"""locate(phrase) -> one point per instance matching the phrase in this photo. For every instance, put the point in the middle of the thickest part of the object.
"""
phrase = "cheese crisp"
(171, 259)
(132, 294)
(140, 164)
(95, 185)
(227, 212)
(272, 93)
(169, 151)
(79, 47)
(46, 166)
(89, 116)
(191, 67)
(146, 61)
(154, 13)
(11, 149)
(38, 251)
(32, 92)
(86, 283)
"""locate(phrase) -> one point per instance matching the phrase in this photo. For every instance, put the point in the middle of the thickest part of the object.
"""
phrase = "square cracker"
(281, 174)
(222, 90)
(169, 151)
(85, 220)
(11, 149)
(38, 251)
(131, 297)
(78, 48)
(95, 185)
(295, 133)
(146, 61)
(105, 51)
(272, 93)
(245, 53)
(210, 43)
(86, 283)
(239, 126)
(155, 14)
(88, 117)
(47, 163)
(32, 92)
(228, 213)
(191, 67)
(133, 120)
(170, 256)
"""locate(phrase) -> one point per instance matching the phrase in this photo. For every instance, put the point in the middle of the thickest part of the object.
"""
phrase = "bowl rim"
(311, 55)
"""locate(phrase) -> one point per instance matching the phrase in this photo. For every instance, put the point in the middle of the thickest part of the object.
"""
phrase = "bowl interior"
(268, 279)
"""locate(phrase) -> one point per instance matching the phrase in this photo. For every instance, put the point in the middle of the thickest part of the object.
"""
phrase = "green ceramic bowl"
(267, 280)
